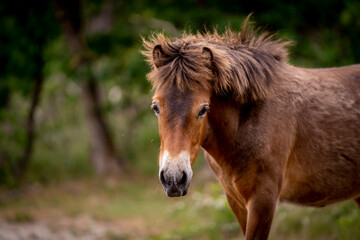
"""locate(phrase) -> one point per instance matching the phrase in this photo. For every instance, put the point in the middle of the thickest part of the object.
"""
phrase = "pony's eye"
(156, 109)
(203, 111)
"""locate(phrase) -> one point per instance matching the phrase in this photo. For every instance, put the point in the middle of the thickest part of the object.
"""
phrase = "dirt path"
(79, 228)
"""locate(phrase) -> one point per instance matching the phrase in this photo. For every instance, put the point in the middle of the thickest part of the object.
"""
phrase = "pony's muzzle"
(175, 184)
(175, 173)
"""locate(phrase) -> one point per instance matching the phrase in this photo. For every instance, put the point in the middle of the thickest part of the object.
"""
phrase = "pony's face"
(182, 125)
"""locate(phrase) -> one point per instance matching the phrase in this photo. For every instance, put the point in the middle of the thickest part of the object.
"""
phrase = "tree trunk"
(103, 156)
(24, 160)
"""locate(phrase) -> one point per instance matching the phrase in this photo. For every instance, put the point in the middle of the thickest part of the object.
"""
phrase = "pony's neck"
(222, 126)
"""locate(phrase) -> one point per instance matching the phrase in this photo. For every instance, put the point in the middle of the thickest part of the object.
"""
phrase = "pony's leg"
(357, 201)
(239, 210)
(261, 208)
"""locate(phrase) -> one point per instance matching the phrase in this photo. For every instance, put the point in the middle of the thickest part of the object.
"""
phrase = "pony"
(270, 131)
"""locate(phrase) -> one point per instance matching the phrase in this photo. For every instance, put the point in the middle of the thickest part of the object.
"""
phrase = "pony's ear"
(159, 56)
(208, 57)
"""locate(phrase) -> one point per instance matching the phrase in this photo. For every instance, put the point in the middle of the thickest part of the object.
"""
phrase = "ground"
(137, 208)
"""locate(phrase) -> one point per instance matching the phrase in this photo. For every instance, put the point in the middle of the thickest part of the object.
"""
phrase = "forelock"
(183, 64)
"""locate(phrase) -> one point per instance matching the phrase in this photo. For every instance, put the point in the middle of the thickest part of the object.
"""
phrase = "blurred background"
(79, 143)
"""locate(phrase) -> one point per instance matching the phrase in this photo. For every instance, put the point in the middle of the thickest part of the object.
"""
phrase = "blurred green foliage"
(26, 28)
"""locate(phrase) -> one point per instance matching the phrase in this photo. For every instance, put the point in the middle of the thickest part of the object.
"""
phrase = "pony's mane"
(241, 64)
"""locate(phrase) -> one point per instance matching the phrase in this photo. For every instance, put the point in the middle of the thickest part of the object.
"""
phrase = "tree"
(26, 30)
(103, 154)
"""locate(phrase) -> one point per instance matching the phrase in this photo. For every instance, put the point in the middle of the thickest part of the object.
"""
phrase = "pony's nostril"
(162, 178)
(183, 179)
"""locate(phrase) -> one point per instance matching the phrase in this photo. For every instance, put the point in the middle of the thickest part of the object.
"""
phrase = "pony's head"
(186, 72)
(181, 103)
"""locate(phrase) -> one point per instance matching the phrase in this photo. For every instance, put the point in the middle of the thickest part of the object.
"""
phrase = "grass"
(20, 217)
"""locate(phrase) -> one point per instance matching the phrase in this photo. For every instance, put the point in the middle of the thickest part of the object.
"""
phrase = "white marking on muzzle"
(173, 164)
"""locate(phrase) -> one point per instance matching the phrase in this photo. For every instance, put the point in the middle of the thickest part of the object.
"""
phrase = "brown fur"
(273, 132)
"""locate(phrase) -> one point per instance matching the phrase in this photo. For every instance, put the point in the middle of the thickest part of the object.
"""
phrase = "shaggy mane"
(241, 64)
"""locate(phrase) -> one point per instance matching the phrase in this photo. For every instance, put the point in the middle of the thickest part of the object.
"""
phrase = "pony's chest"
(238, 186)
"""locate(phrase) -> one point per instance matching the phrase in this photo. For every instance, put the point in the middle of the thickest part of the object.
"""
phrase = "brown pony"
(271, 131)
